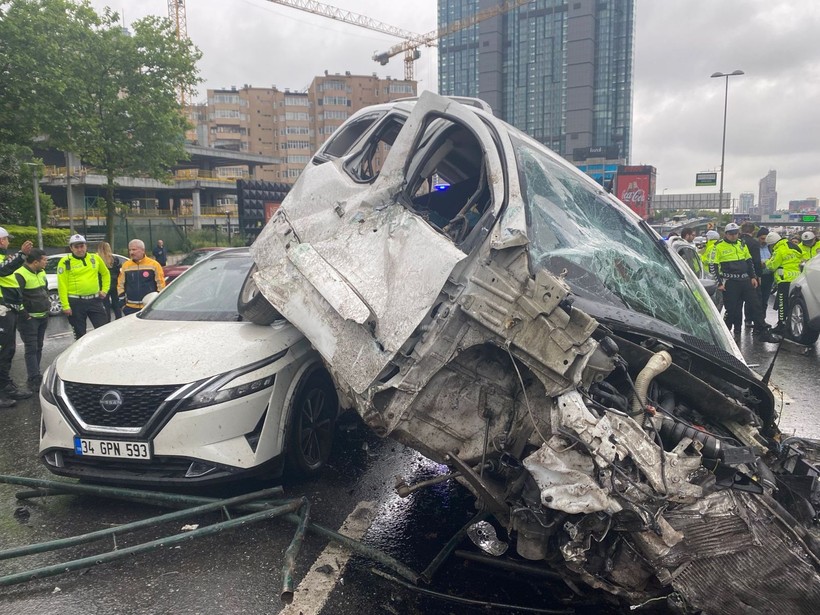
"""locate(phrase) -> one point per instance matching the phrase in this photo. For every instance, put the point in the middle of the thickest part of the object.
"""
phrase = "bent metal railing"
(257, 506)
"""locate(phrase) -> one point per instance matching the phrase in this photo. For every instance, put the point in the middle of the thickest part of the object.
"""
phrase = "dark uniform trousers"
(82, 308)
(737, 292)
(33, 333)
(8, 341)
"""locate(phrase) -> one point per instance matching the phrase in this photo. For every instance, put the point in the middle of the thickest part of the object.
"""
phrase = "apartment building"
(287, 124)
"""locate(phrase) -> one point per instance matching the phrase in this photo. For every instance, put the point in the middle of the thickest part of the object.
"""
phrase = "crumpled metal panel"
(565, 477)
(397, 284)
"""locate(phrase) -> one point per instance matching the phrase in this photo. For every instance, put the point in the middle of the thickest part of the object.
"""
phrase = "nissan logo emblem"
(111, 401)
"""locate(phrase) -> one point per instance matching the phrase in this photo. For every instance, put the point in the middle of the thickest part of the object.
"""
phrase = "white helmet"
(712, 235)
(76, 239)
(772, 238)
(808, 236)
(731, 228)
(699, 241)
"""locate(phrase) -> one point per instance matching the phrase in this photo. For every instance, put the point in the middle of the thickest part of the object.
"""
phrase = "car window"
(578, 234)
(447, 179)
(207, 292)
(51, 263)
(193, 258)
(365, 164)
(343, 139)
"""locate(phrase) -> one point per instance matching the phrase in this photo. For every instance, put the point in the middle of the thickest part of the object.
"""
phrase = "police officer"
(785, 262)
(83, 282)
(34, 319)
(708, 256)
(732, 265)
(10, 305)
(808, 245)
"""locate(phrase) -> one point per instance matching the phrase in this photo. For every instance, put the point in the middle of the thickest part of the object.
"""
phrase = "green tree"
(94, 88)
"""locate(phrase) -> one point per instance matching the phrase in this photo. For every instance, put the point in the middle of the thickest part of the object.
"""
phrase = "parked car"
(804, 304)
(481, 300)
(55, 307)
(184, 392)
(172, 272)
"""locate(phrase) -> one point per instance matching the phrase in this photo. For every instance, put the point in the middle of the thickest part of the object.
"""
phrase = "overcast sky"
(774, 109)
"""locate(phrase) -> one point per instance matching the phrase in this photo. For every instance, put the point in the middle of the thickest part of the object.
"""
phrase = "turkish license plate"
(111, 448)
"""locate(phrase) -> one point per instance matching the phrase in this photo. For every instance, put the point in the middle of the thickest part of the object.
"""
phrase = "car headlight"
(210, 396)
(210, 391)
(51, 383)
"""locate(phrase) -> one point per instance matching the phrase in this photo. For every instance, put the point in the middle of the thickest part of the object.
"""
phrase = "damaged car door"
(364, 243)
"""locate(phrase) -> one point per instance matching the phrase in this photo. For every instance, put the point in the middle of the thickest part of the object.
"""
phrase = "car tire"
(312, 424)
(252, 304)
(798, 325)
(55, 308)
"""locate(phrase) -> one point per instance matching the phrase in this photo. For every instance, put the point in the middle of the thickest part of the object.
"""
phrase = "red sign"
(634, 191)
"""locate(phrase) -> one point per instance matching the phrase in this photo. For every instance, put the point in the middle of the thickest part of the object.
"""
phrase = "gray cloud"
(773, 119)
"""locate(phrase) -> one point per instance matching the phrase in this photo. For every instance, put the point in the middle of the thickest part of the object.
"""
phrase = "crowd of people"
(749, 264)
(91, 287)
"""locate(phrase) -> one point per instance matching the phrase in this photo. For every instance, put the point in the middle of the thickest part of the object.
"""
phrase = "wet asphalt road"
(240, 571)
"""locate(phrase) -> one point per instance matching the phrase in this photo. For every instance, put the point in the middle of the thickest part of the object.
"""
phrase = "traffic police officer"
(808, 245)
(785, 262)
(83, 281)
(708, 256)
(10, 305)
(733, 267)
(34, 319)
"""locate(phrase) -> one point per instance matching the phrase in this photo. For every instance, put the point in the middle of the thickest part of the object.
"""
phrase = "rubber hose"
(657, 364)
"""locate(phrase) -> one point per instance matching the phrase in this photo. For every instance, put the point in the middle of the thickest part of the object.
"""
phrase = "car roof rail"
(464, 100)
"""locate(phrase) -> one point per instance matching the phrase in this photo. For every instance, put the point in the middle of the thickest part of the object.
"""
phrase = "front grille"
(139, 403)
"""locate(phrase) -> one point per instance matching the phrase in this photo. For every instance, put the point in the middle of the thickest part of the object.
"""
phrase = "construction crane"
(410, 46)
(412, 41)
(176, 13)
(331, 12)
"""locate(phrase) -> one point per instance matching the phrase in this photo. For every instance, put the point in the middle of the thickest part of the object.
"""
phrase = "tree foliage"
(90, 86)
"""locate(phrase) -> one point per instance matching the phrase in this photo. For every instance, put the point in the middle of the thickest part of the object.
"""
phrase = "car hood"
(133, 351)
(175, 269)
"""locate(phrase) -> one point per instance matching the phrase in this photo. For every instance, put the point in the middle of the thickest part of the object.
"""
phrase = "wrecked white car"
(477, 298)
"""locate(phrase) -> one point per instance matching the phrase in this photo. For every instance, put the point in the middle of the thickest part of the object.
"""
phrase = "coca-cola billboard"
(635, 186)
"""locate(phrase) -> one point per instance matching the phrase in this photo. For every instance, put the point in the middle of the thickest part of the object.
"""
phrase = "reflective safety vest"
(81, 278)
(785, 262)
(34, 287)
(9, 286)
(808, 252)
(732, 260)
(708, 249)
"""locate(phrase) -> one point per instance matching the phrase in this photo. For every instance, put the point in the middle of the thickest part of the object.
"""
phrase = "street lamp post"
(723, 146)
(228, 216)
(34, 175)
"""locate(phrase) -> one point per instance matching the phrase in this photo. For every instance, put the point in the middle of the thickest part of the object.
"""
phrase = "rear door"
(363, 245)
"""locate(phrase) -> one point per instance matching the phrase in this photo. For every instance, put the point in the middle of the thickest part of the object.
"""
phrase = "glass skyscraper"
(560, 71)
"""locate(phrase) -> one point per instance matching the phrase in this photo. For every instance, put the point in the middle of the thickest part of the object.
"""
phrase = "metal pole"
(723, 148)
(69, 197)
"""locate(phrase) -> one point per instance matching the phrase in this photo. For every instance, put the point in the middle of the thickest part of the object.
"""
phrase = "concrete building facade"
(560, 71)
(746, 202)
(286, 124)
(767, 193)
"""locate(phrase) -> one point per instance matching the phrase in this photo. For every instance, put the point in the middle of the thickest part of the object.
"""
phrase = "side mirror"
(147, 299)
(710, 285)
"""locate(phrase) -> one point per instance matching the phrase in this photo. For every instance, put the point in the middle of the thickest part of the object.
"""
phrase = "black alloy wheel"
(798, 323)
(312, 424)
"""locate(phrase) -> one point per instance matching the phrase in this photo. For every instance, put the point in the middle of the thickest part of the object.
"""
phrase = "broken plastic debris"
(190, 527)
(484, 537)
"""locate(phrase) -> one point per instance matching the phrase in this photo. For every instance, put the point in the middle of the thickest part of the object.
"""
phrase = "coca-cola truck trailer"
(635, 186)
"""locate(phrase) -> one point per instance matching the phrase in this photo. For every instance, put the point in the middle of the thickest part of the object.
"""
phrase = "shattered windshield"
(577, 233)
